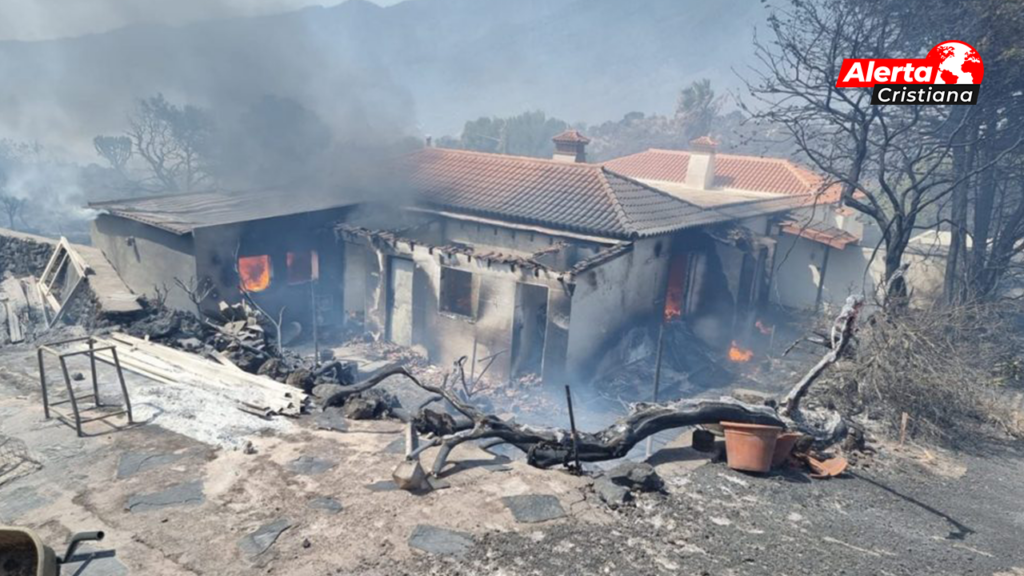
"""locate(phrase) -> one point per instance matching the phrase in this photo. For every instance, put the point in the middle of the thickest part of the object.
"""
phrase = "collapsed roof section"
(561, 259)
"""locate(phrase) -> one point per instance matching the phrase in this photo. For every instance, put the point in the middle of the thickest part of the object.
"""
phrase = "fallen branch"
(842, 333)
(546, 447)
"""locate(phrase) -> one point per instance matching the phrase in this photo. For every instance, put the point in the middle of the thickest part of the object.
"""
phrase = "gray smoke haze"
(61, 93)
(328, 91)
(287, 106)
(51, 19)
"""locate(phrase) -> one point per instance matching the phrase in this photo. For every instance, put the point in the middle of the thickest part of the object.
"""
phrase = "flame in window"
(254, 272)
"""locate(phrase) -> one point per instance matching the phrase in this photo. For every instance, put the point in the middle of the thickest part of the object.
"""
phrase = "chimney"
(570, 146)
(700, 171)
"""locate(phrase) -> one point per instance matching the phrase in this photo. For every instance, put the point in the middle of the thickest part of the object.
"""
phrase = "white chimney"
(700, 171)
(570, 146)
(847, 219)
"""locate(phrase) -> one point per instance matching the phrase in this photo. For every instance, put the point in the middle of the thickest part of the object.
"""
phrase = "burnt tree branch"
(546, 447)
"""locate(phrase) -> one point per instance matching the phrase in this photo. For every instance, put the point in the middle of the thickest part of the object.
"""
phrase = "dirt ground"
(309, 501)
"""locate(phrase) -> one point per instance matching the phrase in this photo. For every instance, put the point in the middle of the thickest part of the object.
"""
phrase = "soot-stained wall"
(620, 293)
(445, 335)
(217, 247)
(147, 259)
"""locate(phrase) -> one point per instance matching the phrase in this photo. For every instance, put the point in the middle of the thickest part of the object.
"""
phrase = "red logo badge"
(951, 73)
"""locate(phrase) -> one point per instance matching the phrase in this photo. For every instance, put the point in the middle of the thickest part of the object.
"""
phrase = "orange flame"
(254, 272)
(737, 354)
(765, 329)
(672, 310)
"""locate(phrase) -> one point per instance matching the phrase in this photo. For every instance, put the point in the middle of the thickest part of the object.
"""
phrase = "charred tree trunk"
(983, 209)
(954, 279)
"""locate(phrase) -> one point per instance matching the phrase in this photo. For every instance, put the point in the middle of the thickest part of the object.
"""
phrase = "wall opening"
(456, 292)
(529, 328)
(303, 266)
(675, 293)
(254, 272)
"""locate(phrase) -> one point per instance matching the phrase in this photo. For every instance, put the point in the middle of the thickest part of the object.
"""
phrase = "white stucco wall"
(850, 271)
(614, 295)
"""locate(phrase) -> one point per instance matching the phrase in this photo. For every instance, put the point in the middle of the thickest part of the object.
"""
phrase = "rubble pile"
(689, 366)
(241, 338)
(617, 487)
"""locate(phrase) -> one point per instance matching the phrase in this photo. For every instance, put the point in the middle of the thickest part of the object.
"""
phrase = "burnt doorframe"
(687, 250)
(536, 313)
(389, 299)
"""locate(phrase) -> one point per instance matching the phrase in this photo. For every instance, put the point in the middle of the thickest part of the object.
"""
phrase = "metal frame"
(90, 350)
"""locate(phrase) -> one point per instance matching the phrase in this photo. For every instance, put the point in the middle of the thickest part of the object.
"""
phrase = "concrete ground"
(308, 501)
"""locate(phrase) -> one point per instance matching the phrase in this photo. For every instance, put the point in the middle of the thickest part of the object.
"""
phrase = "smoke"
(64, 92)
(290, 106)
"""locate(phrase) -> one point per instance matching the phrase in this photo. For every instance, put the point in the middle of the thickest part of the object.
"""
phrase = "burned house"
(207, 246)
(811, 231)
(523, 265)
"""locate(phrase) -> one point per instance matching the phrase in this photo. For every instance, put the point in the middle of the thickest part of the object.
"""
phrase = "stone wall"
(24, 254)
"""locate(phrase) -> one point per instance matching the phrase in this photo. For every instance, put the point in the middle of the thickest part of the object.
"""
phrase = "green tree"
(697, 108)
(526, 134)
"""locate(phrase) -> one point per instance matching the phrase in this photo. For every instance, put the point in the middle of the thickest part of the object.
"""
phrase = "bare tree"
(890, 163)
(196, 290)
(986, 211)
(117, 150)
(173, 141)
(12, 207)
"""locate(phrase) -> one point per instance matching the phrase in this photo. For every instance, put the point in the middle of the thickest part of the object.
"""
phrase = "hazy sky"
(45, 19)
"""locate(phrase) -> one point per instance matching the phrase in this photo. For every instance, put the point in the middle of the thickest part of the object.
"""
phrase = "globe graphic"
(958, 63)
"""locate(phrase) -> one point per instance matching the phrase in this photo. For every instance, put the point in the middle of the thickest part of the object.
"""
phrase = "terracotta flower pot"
(750, 447)
(783, 447)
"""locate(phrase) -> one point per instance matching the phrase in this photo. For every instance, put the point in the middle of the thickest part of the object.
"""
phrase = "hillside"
(422, 66)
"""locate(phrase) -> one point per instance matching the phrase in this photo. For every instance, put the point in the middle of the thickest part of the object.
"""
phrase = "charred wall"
(485, 323)
(146, 258)
(621, 293)
(217, 248)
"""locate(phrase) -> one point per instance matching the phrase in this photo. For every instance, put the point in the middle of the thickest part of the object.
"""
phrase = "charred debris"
(645, 301)
(457, 408)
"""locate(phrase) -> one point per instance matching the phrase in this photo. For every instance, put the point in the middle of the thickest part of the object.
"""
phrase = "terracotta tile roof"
(576, 197)
(703, 144)
(571, 135)
(821, 233)
(752, 173)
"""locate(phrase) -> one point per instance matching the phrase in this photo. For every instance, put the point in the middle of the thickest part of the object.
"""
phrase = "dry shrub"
(956, 371)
